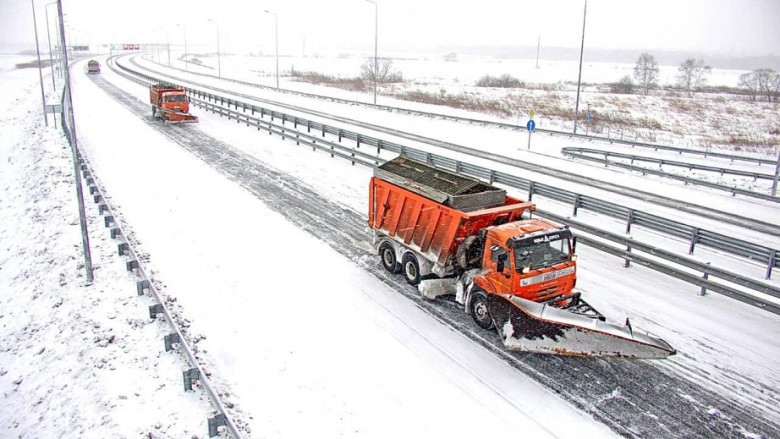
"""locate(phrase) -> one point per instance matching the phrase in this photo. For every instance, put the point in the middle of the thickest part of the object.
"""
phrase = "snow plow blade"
(173, 117)
(575, 329)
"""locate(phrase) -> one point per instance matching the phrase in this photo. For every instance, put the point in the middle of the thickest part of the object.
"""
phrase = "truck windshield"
(544, 253)
(176, 98)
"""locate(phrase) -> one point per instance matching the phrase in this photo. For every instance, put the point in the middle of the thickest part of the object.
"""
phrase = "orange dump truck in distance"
(170, 104)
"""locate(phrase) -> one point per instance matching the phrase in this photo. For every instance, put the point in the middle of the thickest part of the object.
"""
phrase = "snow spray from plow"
(508, 272)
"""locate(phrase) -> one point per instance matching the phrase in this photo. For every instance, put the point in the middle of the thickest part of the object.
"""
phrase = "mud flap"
(529, 326)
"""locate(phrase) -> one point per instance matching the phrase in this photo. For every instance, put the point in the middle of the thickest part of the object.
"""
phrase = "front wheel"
(411, 269)
(479, 310)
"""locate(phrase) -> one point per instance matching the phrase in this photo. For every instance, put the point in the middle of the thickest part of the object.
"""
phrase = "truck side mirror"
(573, 245)
(501, 262)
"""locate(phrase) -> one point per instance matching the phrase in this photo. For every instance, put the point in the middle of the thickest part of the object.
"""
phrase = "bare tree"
(370, 73)
(624, 86)
(646, 71)
(749, 82)
(768, 82)
(762, 81)
(692, 74)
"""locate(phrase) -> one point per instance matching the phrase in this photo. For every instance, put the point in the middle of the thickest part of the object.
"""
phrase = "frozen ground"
(349, 355)
(720, 121)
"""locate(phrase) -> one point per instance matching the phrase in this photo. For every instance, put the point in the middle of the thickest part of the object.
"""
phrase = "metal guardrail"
(654, 146)
(694, 235)
(575, 152)
(705, 268)
(217, 103)
(665, 162)
(144, 284)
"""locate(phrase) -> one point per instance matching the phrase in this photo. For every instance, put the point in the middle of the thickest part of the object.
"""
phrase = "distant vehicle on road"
(93, 67)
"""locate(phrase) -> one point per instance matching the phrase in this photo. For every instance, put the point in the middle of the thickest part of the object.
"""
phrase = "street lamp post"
(48, 37)
(219, 62)
(184, 29)
(579, 78)
(74, 148)
(40, 74)
(276, 32)
(376, 45)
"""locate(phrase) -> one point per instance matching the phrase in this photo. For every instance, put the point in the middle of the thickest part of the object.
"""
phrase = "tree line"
(692, 75)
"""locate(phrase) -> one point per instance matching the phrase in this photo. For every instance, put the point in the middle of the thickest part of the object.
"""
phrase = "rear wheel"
(479, 310)
(389, 261)
(411, 269)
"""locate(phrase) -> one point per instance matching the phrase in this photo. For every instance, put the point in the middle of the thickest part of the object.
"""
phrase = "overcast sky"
(728, 27)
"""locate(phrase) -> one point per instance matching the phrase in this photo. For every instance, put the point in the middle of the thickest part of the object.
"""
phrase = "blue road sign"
(530, 125)
(588, 117)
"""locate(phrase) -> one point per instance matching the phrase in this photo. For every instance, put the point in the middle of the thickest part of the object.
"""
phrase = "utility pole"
(74, 150)
(376, 46)
(579, 78)
(40, 73)
(538, 45)
(276, 37)
(51, 60)
(777, 175)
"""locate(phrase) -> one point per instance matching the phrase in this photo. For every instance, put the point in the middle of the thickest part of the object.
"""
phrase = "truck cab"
(175, 100)
(532, 259)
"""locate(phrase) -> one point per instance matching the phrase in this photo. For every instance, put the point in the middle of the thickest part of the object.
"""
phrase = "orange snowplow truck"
(452, 235)
(170, 104)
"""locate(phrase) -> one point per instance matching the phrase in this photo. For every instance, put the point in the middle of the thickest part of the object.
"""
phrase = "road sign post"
(530, 126)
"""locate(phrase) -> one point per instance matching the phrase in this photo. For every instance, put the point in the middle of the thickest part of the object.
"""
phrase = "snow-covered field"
(719, 121)
(301, 341)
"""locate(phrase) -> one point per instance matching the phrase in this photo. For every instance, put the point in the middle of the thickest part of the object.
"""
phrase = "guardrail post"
(216, 422)
(154, 310)
(630, 220)
(694, 239)
(703, 288)
(141, 286)
(493, 178)
(772, 261)
(576, 204)
(340, 135)
(530, 189)
(170, 339)
(628, 262)
(308, 126)
(189, 376)
(323, 130)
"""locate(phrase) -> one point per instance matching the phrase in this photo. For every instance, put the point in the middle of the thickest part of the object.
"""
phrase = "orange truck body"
(170, 104)
(449, 234)
(419, 221)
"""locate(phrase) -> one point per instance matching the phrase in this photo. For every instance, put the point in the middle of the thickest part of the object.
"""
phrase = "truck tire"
(468, 253)
(479, 310)
(387, 255)
(411, 269)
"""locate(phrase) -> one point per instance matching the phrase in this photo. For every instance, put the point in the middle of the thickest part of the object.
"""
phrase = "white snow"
(300, 340)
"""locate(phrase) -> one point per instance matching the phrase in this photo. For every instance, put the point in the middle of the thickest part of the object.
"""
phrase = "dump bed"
(431, 210)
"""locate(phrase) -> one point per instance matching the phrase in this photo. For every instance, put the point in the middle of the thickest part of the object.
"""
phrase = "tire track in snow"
(634, 398)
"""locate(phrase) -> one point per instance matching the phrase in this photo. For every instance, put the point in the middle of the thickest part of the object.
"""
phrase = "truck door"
(499, 257)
